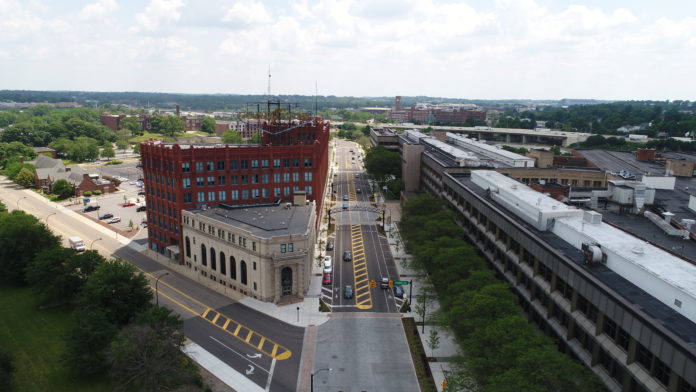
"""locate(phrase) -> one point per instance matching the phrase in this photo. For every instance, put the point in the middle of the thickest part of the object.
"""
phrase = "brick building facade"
(178, 177)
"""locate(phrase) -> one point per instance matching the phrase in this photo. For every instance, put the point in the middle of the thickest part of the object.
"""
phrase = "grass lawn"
(147, 135)
(35, 337)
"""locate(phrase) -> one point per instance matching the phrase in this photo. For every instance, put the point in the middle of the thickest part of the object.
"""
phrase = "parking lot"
(113, 203)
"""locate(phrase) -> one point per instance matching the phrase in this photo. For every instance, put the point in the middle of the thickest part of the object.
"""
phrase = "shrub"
(87, 193)
(97, 192)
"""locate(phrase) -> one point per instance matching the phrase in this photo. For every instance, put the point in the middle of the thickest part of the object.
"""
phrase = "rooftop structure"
(263, 221)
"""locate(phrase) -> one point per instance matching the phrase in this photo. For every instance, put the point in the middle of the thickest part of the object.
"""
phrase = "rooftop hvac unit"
(593, 253)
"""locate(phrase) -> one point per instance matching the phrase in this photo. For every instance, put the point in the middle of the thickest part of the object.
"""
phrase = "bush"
(323, 307)
(87, 193)
(97, 192)
(116, 162)
(62, 189)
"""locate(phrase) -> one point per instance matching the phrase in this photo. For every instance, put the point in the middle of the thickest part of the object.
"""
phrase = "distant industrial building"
(440, 114)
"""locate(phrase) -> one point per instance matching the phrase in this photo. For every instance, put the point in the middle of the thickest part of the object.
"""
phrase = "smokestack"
(177, 110)
(398, 102)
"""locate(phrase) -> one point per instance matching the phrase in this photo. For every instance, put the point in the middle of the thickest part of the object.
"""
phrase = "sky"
(476, 49)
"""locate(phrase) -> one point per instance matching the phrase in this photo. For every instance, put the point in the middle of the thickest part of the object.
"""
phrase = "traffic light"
(391, 283)
(373, 283)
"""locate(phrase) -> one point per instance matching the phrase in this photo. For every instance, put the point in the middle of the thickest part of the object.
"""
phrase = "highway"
(263, 349)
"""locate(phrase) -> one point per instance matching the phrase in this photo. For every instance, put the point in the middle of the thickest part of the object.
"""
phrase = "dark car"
(347, 256)
(329, 245)
(141, 193)
(398, 292)
(106, 216)
(91, 208)
(141, 208)
(348, 292)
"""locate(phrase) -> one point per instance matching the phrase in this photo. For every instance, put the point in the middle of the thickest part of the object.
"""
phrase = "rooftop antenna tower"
(316, 94)
(269, 82)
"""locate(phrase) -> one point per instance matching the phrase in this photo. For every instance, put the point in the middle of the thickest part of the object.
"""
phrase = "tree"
(381, 163)
(255, 138)
(136, 148)
(15, 150)
(208, 125)
(167, 125)
(26, 178)
(132, 124)
(232, 137)
(59, 273)
(146, 355)
(108, 151)
(122, 145)
(119, 290)
(7, 370)
(366, 130)
(14, 167)
(87, 341)
(433, 341)
(62, 189)
(23, 237)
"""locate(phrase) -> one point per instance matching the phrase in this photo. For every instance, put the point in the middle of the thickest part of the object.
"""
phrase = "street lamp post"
(20, 200)
(298, 314)
(311, 379)
(49, 215)
(93, 241)
(156, 291)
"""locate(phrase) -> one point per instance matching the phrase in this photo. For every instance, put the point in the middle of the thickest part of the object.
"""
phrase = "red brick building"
(291, 158)
(441, 114)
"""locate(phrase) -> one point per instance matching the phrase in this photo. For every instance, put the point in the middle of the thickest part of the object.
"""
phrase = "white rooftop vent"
(637, 250)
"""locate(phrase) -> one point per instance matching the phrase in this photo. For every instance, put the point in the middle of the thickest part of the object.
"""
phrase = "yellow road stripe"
(236, 331)
(226, 324)
(249, 335)
(260, 345)
(215, 318)
(360, 271)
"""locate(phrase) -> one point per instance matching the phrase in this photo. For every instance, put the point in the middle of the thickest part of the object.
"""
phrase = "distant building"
(49, 152)
(441, 114)
(49, 170)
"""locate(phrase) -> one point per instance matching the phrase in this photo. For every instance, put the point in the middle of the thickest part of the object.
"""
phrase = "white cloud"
(246, 13)
(156, 14)
(98, 9)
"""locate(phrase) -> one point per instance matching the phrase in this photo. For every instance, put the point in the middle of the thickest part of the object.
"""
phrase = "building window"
(254, 193)
(286, 177)
(264, 178)
(245, 194)
(286, 191)
(210, 165)
(211, 196)
(308, 162)
(283, 248)
(200, 181)
(245, 164)
(221, 180)
(276, 177)
(254, 178)
(253, 247)
(296, 162)
(276, 163)
(295, 177)
(204, 256)
(187, 182)
(233, 268)
(264, 192)
(234, 180)
(245, 179)
(254, 286)
(254, 265)
(233, 165)
(235, 195)
(276, 192)
(291, 247)
(186, 167)
(223, 263)
(199, 166)
(188, 247)
(308, 189)
(222, 195)
(201, 197)
(221, 165)
(308, 176)
(211, 180)
(213, 264)
(264, 163)
(243, 272)
(187, 197)
(254, 163)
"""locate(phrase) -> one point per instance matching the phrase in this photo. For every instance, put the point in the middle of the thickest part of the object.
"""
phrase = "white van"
(328, 265)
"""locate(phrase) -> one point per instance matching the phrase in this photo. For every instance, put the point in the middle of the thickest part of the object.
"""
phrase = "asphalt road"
(249, 338)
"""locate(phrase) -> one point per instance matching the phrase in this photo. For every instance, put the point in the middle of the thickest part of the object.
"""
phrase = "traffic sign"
(400, 282)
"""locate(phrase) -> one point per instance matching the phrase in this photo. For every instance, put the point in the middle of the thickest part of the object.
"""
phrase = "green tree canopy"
(108, 151)
(59, 273)
(87, 341)
(26, 177)
(14, 150)
(27, 237)
(208, 125)
(382, 163)
(255, 138)
(63, 189)
(232, 137)
(132, 124)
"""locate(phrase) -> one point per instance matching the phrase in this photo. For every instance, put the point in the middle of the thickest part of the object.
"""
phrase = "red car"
(327, 279)
(129, 204)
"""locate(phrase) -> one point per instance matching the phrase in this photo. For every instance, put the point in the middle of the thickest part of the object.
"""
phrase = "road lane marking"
(363, 296)
(240, 355)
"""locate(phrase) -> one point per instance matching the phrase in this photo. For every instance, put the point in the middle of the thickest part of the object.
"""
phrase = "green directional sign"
(401, 282)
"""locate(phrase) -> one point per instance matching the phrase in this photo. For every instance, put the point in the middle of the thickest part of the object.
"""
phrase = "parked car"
(384, 283)
(141, 193)
(345, 206)
(347, 256)
(328, 264)
(329, 245)
(91, 208)
(398, 292)
(141, 208)
(327, 279)
(345, 197)
(358, 190)
(348, 292)
(128, 204)
(106, 216)
(115, 219)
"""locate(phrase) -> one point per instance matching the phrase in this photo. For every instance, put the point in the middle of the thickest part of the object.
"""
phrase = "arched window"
(242, 271)
(233, 268)
(213, 265)
(188, 247)
(223, 264)
(204, 256)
